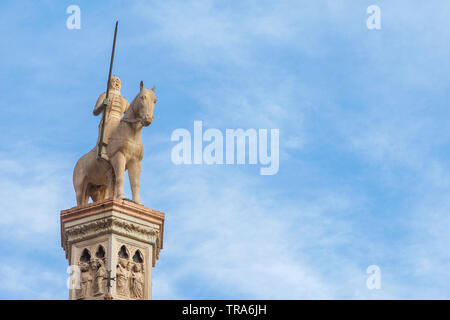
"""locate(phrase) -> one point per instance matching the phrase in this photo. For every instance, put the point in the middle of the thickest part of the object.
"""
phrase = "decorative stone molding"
(100, 224)
(108, 225)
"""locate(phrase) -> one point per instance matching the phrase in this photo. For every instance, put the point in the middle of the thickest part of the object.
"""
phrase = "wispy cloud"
(363, 125)
(34, 187)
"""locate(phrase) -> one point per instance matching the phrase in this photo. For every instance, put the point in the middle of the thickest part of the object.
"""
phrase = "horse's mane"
(130, 109)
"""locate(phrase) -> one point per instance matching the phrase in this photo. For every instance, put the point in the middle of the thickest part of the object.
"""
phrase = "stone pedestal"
(112, 235)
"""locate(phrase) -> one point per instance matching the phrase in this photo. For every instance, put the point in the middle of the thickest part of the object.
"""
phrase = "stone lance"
(102, 130)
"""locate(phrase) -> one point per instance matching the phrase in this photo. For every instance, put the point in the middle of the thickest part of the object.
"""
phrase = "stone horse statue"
(99, 179)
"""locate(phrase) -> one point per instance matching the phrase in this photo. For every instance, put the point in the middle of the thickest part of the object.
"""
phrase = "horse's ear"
(153, 89)
(142, 85)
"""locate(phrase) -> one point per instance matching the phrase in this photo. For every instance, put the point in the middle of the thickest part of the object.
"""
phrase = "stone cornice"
(122, 206)
(151, 233)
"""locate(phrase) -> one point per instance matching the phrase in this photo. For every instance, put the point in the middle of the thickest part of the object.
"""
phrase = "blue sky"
(364, 176)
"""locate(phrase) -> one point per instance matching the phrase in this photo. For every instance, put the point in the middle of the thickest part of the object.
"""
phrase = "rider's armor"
(114, 111)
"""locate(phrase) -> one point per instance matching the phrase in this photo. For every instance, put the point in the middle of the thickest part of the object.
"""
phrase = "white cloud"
(27, 279)
(223, 48)
(237, 238)
(33, 189)
(229, 233)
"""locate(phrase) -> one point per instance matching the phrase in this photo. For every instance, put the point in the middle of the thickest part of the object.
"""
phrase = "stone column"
(116, 235)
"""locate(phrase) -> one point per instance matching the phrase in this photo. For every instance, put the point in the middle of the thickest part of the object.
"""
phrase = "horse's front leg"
(134, 172)
(118, 162)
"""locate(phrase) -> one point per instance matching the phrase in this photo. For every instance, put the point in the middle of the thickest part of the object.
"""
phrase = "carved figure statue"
(100, 273)
(85, 281)
(137, 282)
(123, 275)
(101, 179)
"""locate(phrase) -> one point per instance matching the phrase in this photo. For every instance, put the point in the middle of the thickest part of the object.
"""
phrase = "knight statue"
(115, 106)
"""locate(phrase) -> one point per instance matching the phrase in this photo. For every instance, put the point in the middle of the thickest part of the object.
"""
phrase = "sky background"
(364, 174)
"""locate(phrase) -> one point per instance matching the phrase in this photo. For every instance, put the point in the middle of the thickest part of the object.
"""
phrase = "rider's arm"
(99, 106)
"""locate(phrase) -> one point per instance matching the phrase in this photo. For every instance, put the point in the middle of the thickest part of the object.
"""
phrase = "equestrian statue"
(99, 174)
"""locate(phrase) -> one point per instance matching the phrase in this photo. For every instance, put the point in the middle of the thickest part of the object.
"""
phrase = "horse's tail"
(79, 179)
(77, 176)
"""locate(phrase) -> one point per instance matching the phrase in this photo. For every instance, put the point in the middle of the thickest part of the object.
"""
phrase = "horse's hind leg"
(80, 196)
(97, 193)
(134, 172)
(86, 193)
(81, 192)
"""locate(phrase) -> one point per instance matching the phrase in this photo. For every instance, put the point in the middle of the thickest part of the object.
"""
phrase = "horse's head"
(143, 105)
(148, 100)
